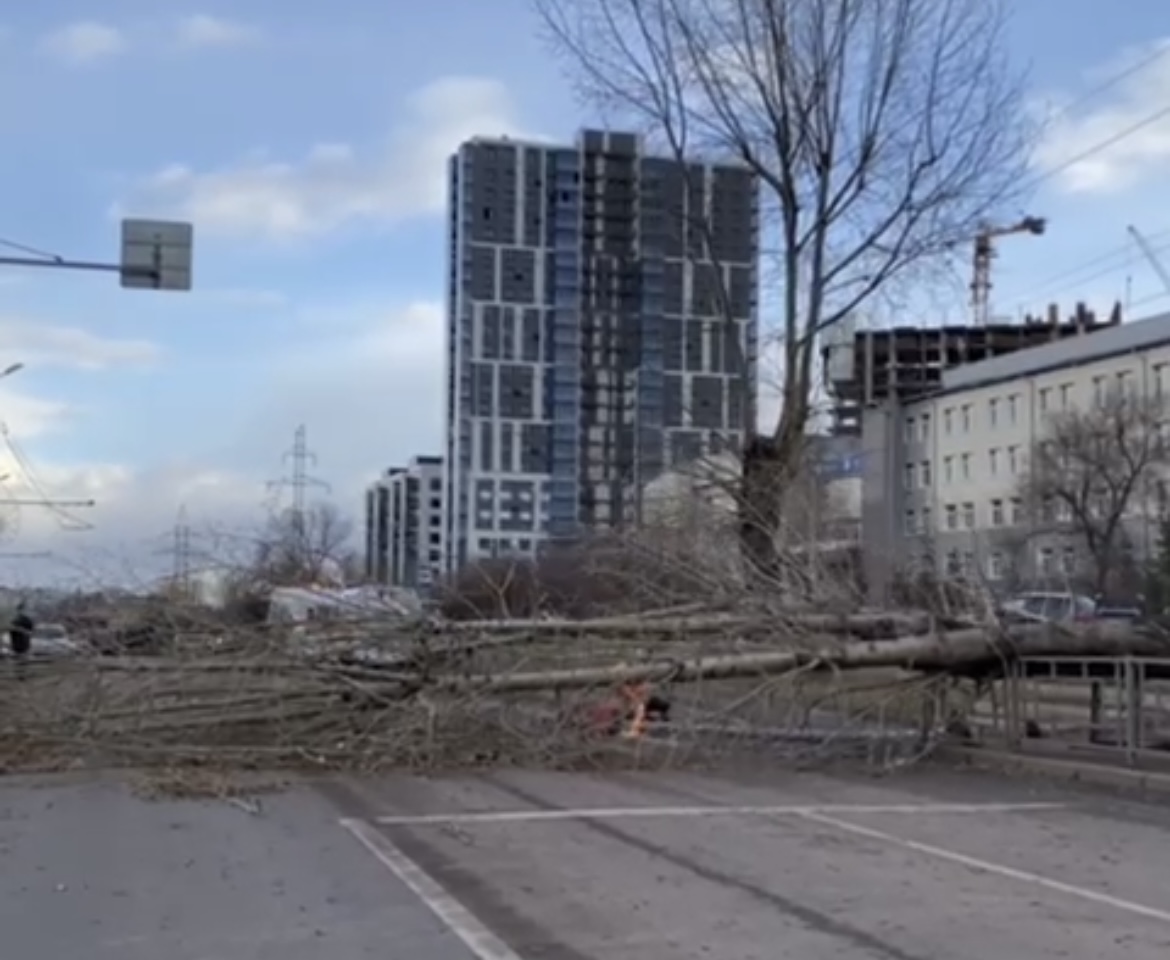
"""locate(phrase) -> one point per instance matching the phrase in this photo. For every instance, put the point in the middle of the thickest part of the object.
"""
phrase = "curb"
(1077, 771)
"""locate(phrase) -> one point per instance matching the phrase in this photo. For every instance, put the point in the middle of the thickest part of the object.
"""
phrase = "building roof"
(1070, 352)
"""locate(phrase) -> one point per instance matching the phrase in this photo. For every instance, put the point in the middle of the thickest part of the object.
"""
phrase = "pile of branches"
(423, 694)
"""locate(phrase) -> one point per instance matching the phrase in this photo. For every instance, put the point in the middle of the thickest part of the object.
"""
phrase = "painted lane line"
(484, 944)
(620, 813)
(986, 866)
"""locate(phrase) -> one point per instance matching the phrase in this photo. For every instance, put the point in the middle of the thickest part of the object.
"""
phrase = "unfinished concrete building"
(905, 363)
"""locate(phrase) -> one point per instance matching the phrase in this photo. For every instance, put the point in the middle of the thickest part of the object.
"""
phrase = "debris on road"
(419, 693)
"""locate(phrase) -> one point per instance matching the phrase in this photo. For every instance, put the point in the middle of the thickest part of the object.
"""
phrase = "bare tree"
(1092, 468)
(301, 548)
(883, 133)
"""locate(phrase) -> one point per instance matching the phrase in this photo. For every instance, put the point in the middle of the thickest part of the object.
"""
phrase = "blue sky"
(308, 148)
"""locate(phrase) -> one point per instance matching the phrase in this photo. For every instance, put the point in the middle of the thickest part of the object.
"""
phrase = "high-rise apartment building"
(404, 525)
(591, 344)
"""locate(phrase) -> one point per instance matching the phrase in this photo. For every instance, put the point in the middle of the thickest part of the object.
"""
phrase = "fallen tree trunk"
(866, 625)
(965, 652)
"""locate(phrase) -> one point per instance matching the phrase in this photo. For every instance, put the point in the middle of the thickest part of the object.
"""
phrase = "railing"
(1117, 707)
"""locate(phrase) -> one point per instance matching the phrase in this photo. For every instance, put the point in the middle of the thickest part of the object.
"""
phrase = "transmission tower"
(182, 553)
(300, 458)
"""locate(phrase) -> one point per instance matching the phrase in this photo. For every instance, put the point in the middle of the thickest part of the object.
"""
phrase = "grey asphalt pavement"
(931, 865)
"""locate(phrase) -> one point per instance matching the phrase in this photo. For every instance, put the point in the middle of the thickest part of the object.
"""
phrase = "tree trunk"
(972, 652)
(759, 506)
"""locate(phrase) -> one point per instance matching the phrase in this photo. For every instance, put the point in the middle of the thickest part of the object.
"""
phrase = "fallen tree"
(411, 695)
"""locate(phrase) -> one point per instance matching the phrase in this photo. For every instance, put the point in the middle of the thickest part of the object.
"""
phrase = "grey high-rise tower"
(588, 347)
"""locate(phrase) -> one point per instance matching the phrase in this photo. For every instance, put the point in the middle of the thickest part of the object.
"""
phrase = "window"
(1048, 510)
(1066, 390)
(992, 411)
(966, 418)
(1017, 511)
(927, 521)
(1046, 560)
(925, 473)
(909, 476)
(993, 460)
(952, 516)
(968, 563)
(954, 564)
(1161, 380)
(909, 429)
(997, 513)
(1013, 459)
(1068, 561)
(969, 516)
(948, 420)
(1125, 382)
(1014, 409)
(911, 523)
(966, 462)
(1045, 398)
(948, 469)
(995, 568)
(926, 428)
(1099, 390)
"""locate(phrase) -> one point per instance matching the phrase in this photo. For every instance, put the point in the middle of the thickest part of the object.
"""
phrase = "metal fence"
(1118, 707)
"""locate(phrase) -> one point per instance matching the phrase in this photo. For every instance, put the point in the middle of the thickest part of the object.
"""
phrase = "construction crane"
(984, 254)
(1148, 252)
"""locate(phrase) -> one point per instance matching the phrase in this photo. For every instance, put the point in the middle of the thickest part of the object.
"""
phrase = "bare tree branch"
(883, 133)
(1091, 469)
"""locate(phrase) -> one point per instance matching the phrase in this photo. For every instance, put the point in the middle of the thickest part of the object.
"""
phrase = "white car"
(1053, 607)
(50, 641)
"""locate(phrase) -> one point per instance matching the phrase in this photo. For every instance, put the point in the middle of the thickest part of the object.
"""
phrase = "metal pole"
(60, 263)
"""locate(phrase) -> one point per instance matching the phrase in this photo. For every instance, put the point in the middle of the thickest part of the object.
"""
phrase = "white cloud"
(125, 537)
(367, 381)
(45, 345)
(85, 42)
(31, 416)
(335, 185)
(201, 31)
(1124, 159)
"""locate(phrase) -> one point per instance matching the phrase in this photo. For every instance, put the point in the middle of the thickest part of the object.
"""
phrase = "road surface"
(512, 865)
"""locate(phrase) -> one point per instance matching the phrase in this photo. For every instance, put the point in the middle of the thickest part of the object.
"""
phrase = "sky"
(308, 150)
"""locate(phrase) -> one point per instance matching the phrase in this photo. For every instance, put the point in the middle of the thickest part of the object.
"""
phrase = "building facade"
(404, 525)
(601, 327)
(942, 476)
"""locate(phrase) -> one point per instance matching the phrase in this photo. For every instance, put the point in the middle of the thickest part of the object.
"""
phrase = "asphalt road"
(546, 866)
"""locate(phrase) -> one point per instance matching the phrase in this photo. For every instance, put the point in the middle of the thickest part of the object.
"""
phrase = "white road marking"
(621, 813)
(484, 944)
(986, 866)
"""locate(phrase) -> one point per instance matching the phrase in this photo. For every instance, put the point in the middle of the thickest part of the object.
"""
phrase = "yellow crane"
(984, 254)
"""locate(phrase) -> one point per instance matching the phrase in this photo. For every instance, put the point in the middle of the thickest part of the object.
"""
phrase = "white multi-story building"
(942, 475)
(589, 345)
(404, 525)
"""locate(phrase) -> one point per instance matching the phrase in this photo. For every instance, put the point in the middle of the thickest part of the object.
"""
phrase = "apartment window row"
(963, 516)
(998, 565)
(1007, 410)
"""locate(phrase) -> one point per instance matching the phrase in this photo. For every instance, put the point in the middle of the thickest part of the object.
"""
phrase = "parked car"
(1055, 607)
(1128, 614)
(50, 641)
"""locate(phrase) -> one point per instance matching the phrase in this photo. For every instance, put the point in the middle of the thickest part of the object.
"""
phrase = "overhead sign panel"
(156, 254)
